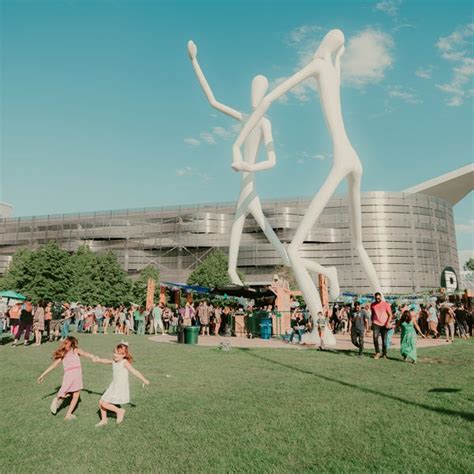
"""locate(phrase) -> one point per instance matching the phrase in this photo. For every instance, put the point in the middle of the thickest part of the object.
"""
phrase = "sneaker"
(101, 423)
(377, 356)
(54, 405)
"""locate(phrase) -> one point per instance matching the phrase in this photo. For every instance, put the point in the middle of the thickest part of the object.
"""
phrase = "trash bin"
(191, 334)
(251, 323)
(266, 328)
(180, 333)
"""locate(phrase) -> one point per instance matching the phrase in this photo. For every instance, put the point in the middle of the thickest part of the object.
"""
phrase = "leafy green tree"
(98, 278)
(469, 265)
(19, 276)
(212, 272)
(140, 285)
(287, 274)
(112, 281)
(40, 274)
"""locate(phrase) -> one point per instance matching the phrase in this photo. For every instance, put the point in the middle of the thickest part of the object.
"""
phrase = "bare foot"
(120, 416)
(101, 423)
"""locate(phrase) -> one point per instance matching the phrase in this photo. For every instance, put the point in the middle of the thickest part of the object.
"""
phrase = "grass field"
(256, 410)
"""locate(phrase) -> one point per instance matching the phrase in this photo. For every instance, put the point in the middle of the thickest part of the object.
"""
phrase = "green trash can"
(191, 334)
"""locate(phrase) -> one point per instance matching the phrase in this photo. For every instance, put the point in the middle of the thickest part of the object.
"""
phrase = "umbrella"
(12, 295)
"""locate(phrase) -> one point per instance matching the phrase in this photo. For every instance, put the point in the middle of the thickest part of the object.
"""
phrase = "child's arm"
(85, 354)
(48, 370)
(96, 359)
(135, 372)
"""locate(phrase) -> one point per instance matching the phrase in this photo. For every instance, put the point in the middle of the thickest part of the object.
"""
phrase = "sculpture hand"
(241, 166)
(341, 51)
(192, 50)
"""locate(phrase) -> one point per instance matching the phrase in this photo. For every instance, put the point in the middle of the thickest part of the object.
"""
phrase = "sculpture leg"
(235, 236)
(256, 211)
(356, 227)
(330, 272)
(305, 283)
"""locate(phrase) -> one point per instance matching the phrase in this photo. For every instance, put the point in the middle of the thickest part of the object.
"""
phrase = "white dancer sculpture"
(249, 201)
(346, 165)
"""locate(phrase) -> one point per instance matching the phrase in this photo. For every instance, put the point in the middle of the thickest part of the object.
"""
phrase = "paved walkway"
(343, 342)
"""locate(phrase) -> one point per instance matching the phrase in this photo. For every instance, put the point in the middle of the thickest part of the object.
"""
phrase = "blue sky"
(101, 108)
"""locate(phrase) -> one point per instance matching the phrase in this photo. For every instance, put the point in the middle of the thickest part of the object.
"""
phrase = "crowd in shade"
(50, 321)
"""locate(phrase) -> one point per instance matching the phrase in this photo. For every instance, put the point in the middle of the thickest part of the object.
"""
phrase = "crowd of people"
(381, 320)
(49, 321)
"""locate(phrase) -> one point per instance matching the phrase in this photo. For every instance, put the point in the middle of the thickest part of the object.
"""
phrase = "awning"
(12, 295)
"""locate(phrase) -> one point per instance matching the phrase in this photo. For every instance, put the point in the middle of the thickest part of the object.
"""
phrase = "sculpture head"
(259, 89)
(330, 44)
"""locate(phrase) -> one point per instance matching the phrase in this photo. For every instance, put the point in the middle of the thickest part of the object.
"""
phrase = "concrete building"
(409, 235)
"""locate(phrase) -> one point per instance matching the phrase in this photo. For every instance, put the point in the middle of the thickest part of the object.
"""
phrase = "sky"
(101, 109)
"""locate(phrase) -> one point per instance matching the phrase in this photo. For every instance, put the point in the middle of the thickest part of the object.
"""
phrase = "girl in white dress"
(118, 392)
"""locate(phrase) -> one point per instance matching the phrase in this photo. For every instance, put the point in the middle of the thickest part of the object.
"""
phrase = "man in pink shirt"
(381, 317)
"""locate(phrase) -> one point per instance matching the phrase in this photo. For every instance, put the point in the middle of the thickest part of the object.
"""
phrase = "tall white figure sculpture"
(346, 165)
(249, 201)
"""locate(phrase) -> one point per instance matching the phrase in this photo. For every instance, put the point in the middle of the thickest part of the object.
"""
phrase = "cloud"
(222, 132)
(208, 138)
(409, 96)
(368, 56)
(456, 49)
(424, 72)
(216, 133)
(466, 228)
(192, 141)
(389, 7)
(301, 33)
(190, 171)
(320, 156)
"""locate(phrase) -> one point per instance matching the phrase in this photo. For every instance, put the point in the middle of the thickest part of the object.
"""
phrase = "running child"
(118, 392)
(70, 355)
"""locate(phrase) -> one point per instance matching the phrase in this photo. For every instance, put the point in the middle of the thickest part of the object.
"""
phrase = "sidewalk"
(343, 342)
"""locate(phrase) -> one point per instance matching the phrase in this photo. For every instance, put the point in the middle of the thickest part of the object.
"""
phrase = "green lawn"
(258, 410)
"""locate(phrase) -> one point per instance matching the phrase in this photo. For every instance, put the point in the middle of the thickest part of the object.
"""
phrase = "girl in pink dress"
(69, 354)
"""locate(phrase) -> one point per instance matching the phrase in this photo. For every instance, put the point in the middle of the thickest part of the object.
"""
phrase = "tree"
(98, 278)
(112, 281)
(286, 273)
(469, 265)
(140, 285)
(18, 276)
(40, 274)
(212, 272)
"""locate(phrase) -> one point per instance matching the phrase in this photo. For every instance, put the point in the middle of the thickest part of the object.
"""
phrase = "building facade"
(409, 236)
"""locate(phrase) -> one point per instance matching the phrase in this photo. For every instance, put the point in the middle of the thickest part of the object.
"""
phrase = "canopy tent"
(179, 286)
(243, 292)
(12, 295)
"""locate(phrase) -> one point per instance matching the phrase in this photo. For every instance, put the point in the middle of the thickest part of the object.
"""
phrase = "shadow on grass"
(444, 390)
(469, 416)
(56, 390)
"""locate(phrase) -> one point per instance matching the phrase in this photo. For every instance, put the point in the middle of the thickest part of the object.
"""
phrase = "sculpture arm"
(311, 69)
(337, 62)
(270, 148)
(192, 49)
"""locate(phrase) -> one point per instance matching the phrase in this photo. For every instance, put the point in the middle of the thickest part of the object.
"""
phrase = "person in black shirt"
(359, 325)
(26, 323)
(461, 320)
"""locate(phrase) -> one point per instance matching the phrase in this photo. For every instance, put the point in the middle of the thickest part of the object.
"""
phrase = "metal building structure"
(410, 238)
